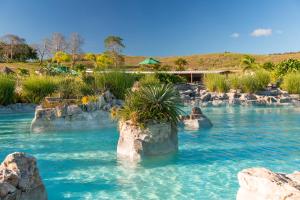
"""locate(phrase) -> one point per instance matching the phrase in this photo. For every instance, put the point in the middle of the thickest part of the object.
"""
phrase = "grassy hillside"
(217, 60)
(196, 62)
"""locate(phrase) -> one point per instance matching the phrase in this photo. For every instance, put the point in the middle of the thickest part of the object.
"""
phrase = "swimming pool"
(84, 165)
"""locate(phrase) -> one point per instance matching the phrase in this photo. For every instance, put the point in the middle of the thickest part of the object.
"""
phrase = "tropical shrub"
(7, 89)
(61, 56)
(170, 78)
(117, 82)
(291, 83)
(36, 88)
(287, 66)
(159, 103)
(216, 83)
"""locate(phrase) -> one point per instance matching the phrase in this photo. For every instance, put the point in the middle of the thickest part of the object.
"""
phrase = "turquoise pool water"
(83, 165)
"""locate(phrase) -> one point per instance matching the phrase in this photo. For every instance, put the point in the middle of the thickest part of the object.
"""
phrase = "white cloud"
(261, 32)
(235, 35)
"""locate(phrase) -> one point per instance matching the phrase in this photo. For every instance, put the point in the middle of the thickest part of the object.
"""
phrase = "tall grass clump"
(234, 81)
(263, 78)
(7, 89)
(158, 104)
(149, 80)
(117, 82)
(36, 88)
(216, 83)
(291, 83)
(249, 84)
(73, 88)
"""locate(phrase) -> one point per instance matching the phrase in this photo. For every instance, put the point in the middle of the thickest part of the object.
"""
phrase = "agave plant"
(152, 103)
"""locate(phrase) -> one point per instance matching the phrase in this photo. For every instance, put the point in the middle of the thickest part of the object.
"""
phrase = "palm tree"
(180, 63)
(248, 63)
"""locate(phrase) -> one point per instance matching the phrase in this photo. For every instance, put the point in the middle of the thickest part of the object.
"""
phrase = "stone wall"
(263, 184)
(155, 139)
(20, 179)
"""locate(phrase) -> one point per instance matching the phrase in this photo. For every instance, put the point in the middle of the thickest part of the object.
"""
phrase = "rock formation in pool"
(155, 139)
(196, 120)
(20, 179)
(93, 115)
(148, 122)
(263, 184)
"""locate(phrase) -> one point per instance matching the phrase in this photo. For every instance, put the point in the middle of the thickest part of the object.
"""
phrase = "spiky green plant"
(153, 103)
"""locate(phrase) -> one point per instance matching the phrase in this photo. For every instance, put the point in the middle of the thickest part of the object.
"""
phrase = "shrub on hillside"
(7, 89)
(291, 83)
(216, 83)
(117, 82)
(36, 88)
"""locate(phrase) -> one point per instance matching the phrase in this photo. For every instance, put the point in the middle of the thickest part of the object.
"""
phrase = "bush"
(287, 66)
(151, 104)
(216, 83)
(170, 78)
(263, 78)
(291, 83)
(117, 82)
(72, 88)
(149, 80)
(36, 88)
(7, 89)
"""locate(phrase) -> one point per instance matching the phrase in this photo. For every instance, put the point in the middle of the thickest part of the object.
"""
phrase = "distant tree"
(248, 63)
(9, 43)
(75, 44)
(114, 46)
(103, 61)
(91, 57)
(42, 49)
(180, 63)
(24, 52)
(58, 43)
(61, 56)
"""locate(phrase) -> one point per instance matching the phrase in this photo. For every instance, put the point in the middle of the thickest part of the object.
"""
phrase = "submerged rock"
(20, 179)
(153, 140)
(263, 184)
(196, 120)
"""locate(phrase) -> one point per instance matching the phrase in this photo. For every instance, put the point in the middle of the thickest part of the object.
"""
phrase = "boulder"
(205, 97)
(73, 110)
(20, 179)
(153, 140)
(263, 184)
(248, 97)
(196, 120)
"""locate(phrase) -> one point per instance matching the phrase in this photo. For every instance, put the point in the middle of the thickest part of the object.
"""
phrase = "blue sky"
(161, 27)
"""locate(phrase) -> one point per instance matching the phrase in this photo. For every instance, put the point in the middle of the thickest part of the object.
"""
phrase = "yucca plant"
(7, 89)
(152, 103)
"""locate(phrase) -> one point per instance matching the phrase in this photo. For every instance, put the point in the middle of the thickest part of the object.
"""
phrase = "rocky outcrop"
(20, 179)
(263, 184)
(155, 139)
(268, 97)
(17, 108)
(196, 120)
(93, 115)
